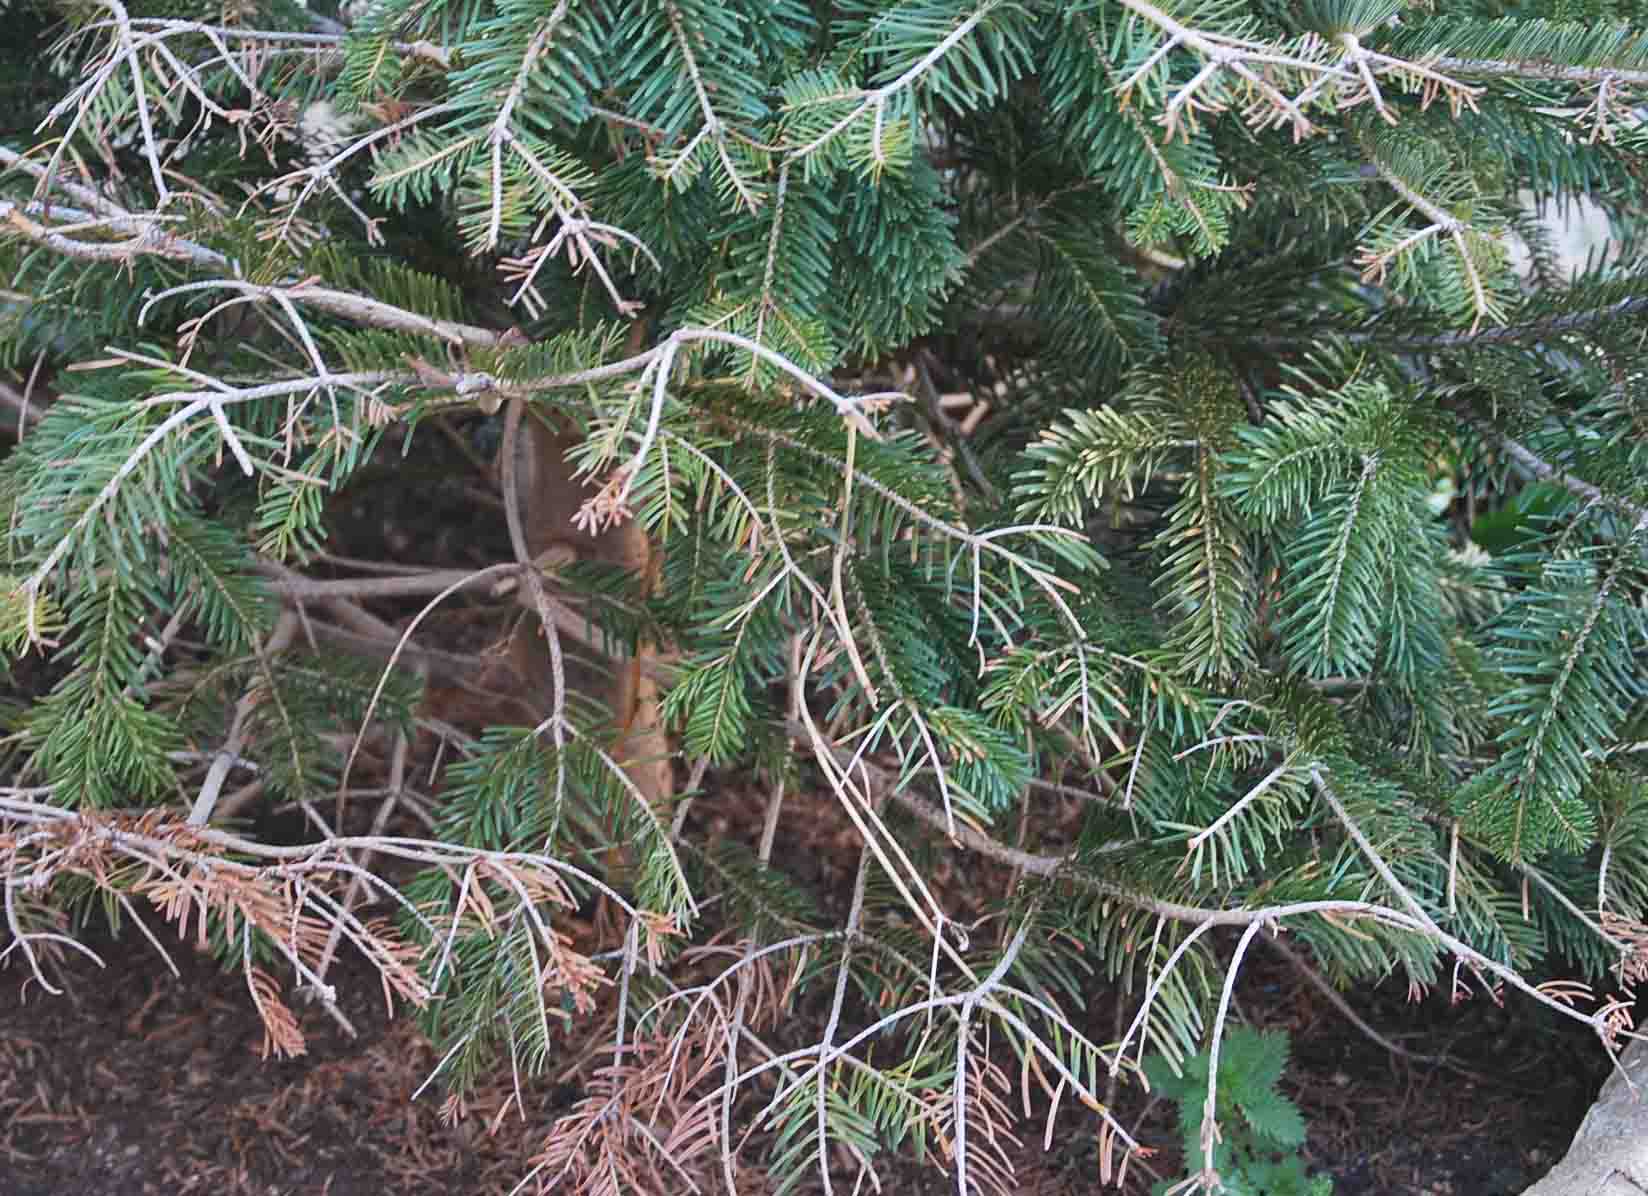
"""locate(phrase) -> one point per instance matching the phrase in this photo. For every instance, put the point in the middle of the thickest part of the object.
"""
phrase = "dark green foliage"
(97, 742)
(1295, 551)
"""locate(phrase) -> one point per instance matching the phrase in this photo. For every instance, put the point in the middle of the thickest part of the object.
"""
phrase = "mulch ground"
(135, 1082)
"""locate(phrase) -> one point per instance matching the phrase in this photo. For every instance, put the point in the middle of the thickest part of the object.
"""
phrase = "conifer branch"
(123, 51)
(1603, 76)
(874, 102)
(785, 196)
(149, 236)
(1601, 1022)
(1264, 69)
(325, 171)
(1512, 331)
(322, 41)
(1375, 262)
(1417, 918)
(1546, 472)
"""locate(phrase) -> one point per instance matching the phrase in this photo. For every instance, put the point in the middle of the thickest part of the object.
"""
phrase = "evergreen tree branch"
(1375, 261)
(1417, 919)
(123, 51)
(1546, 472)
(1347, 75)
(792, 192)
(1540, 328)
(200, 814)
(150, 236)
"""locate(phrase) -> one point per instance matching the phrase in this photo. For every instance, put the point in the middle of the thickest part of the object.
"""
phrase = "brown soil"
(135, 1082)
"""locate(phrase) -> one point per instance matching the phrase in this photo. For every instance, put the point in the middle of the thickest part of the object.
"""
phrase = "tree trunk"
(1609, 1156)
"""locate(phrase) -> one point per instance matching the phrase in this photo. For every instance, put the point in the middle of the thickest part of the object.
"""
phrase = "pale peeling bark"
(1609, 1155)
